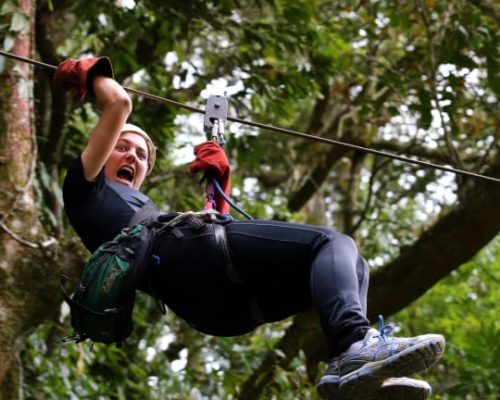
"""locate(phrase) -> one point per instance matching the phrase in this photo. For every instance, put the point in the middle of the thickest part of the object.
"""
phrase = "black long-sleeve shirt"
(98, 210)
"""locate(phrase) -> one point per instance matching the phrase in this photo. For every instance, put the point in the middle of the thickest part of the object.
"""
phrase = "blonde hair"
(149, 143)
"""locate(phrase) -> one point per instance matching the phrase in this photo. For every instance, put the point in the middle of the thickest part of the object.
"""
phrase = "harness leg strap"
(232, 273)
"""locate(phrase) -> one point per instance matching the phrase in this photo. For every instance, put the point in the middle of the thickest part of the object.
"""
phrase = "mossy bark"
(30, 261)
(19, 226)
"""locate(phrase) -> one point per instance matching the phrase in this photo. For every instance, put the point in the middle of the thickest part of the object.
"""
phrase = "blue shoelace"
(384, 330)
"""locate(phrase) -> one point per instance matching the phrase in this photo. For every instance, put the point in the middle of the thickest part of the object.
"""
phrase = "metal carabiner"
(215, 118)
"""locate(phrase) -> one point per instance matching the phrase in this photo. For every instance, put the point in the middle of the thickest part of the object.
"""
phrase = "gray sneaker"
(391, 389)
(360, 372)
(328, 387)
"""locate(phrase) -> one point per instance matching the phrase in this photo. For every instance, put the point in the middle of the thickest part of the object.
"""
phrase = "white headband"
(149, 143)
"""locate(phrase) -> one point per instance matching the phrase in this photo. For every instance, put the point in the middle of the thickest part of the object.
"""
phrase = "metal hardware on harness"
(210, 204)
(215, 131)
(218, 132)
(205, 215)
(215, 118)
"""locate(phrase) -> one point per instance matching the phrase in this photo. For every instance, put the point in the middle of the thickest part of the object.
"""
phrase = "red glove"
(76, 75)
(211, 158)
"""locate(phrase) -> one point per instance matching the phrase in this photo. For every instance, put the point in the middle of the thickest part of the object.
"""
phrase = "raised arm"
(115, 106)
(95, 74)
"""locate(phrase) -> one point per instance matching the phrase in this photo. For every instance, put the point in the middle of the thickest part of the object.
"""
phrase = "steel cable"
(285, 131)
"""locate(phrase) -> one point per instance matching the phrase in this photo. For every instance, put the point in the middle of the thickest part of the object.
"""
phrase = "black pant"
(284, 267)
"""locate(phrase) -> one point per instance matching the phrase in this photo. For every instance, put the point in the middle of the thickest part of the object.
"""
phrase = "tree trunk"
(27, 259)
(18, 217)
(30, 262)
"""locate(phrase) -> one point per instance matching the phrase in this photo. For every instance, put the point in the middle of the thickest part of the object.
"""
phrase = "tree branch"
(46, 243)
(450, 242)
(298, 199)
(486, 9)
(432, 155)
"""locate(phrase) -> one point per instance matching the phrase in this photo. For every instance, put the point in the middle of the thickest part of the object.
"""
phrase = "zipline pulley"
(216, 118)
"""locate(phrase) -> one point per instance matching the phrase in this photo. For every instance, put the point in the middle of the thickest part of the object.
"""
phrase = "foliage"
(464, 308)
(160, 361)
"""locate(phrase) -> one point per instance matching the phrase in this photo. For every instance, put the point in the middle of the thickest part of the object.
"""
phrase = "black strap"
(233, 274)
(72, 303)
(146, 215)
(221, 240)
(149, 215)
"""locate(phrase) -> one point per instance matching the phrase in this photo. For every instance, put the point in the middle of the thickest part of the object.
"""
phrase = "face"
(128, 163)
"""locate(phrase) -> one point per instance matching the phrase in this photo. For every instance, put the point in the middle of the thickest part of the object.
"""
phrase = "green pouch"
(103, 301)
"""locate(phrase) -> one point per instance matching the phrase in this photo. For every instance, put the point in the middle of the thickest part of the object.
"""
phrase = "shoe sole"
(329, 390)
(403, 392)
(363, 382)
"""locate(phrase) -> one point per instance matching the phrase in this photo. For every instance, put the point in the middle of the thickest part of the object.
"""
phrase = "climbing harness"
(285, 131)
(198, 221)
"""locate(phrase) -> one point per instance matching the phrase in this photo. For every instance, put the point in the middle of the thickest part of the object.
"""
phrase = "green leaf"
(20, 22)
(8, 7)
(8, 42)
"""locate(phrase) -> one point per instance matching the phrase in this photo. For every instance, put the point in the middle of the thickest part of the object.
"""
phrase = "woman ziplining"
(225, 278)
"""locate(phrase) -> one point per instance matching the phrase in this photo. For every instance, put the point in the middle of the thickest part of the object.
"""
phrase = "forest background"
(419, 78)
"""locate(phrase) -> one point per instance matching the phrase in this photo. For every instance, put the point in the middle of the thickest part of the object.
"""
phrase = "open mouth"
(126, 174)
